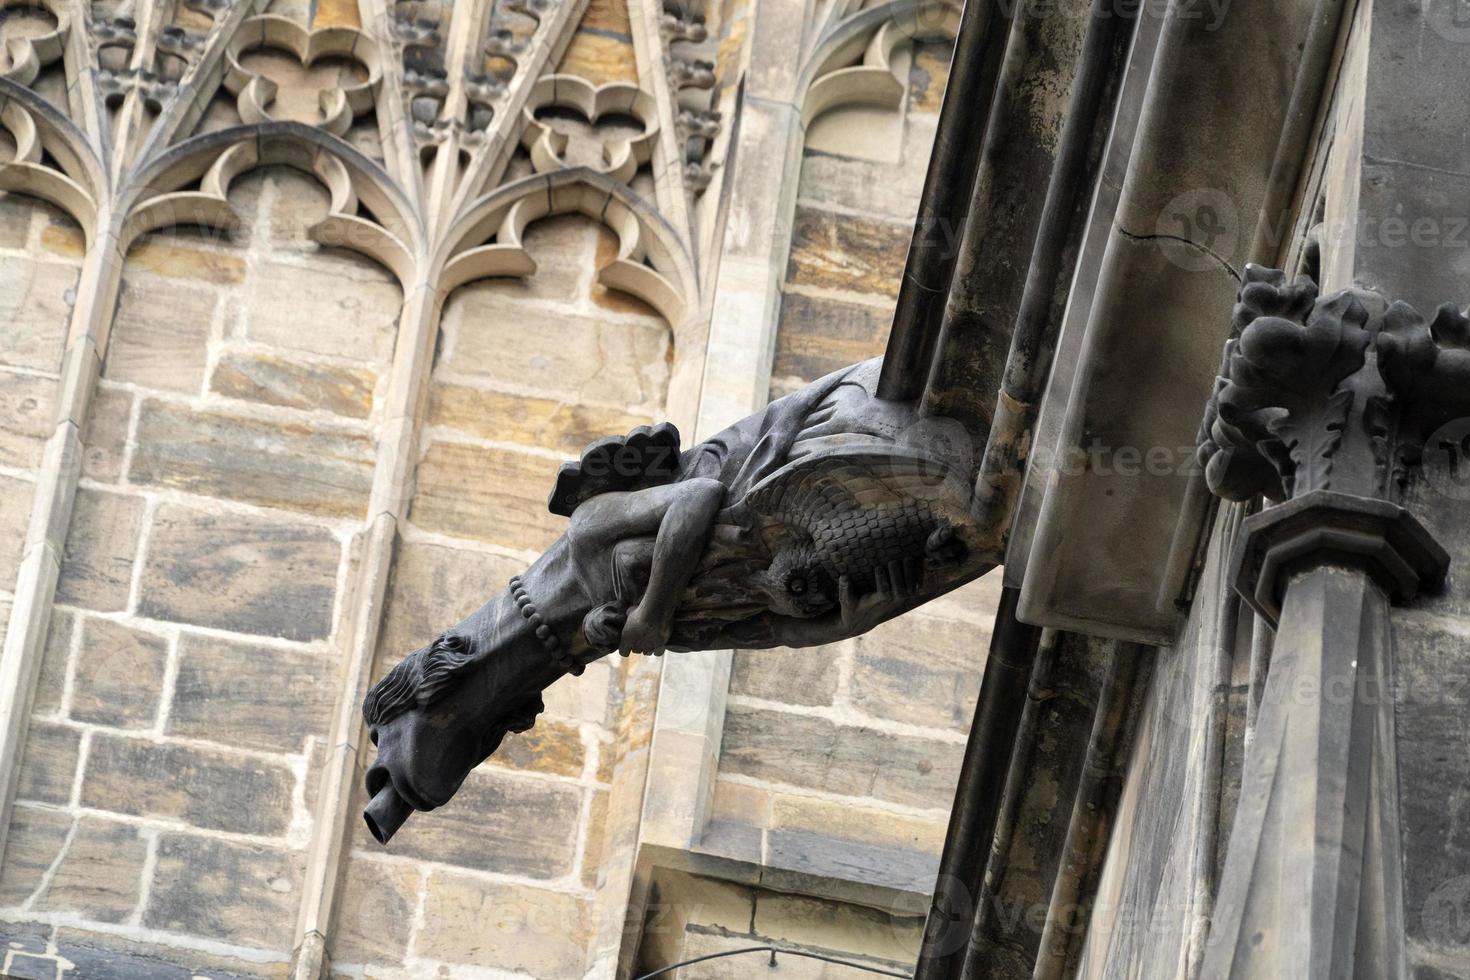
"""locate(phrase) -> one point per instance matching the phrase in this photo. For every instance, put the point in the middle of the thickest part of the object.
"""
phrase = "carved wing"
(858, 505)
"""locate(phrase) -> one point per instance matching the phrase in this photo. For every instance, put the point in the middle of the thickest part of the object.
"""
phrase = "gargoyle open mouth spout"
(446, 707)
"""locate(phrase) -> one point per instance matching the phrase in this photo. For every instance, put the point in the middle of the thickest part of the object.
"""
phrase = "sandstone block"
(234, 893)
(503, 822)
(213, 790)
(818, 336)
(509, 927)
(375, 918)
(95, 954)
(920, 669)
(254, 697)
(842, 251)
(15, 219)
(100, 875)
(192, 257)
(546, 422)
(54, 659)
(36, 837)
(287, 465)
(101, 543)
(49, 765)
(788, 748)
(23, 966)
(15, 517)
(490, 494)
(27, 418)
(840, 928)
(433, 587)
(119, 675)
(928, 74)
(552, 747)
(805, 677)
(35, 306)
(600, 58)
(106, 436)
(289, 382)
(243, 573)
(576, 357)
(159, 334)
(352, 313)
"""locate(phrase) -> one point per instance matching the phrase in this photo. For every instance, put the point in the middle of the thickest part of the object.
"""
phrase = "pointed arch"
(652, 263)
(156, 197)
(37, 126)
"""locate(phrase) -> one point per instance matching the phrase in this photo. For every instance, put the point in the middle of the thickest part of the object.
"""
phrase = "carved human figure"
(808, 522)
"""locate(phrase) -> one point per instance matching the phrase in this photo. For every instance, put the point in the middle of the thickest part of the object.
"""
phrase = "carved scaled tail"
(646, 457)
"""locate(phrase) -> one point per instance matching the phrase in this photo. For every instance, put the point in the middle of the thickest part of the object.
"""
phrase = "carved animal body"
(829, 511)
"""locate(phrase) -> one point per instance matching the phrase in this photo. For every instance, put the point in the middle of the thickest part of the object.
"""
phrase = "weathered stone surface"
(807, 677)
(35, 305)
(287, 465)
(796, 750)
(48, 768)
(920, 669)
(95, 954)
(602, 55)
(840, 928)
(596, 832)
(235, 893)
(214, 790)
(29, 936)
(552, 747)
(15, 516)
(509, 927)
(698, 943)
(179, 254)
(562, 247)
(35, 839)
(106, 436)
(26, 967)
(100, 875)
(292, 383)
(581, 358)
(434, 586)
(101, 543)
(254, 697)
(545, 422)
(928, 74)
(854, 843)
(498, 821)
(159, 334)
(27, 417)
(52, 679)
(846, 252)
(375, 919)
(491, 494)
(351, 313)
(15, 219)
(1432, 694)
(243, 573)
(818, 336)
(119, 675)
(60, 235)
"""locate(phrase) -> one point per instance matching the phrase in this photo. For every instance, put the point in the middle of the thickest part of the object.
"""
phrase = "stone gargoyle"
(808, 522)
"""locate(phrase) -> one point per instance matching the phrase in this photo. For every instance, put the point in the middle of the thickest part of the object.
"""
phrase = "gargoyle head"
(445, 709)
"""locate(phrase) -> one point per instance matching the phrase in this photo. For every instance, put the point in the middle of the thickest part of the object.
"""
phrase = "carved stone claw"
(944, 546)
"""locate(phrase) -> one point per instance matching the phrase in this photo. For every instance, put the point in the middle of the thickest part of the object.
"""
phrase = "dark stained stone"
(237, 893)
(214, 790)
(243, 573)
(255, 697)
(50, 763)
(119, 675)
(845, 252)
(36, 837)
(97, 570)
(805, 677)
(115, 958)
(921, 670)
(818, 336)
(288, 465)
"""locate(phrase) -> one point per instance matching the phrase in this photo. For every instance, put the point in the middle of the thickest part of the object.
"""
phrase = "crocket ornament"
(811, 521)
